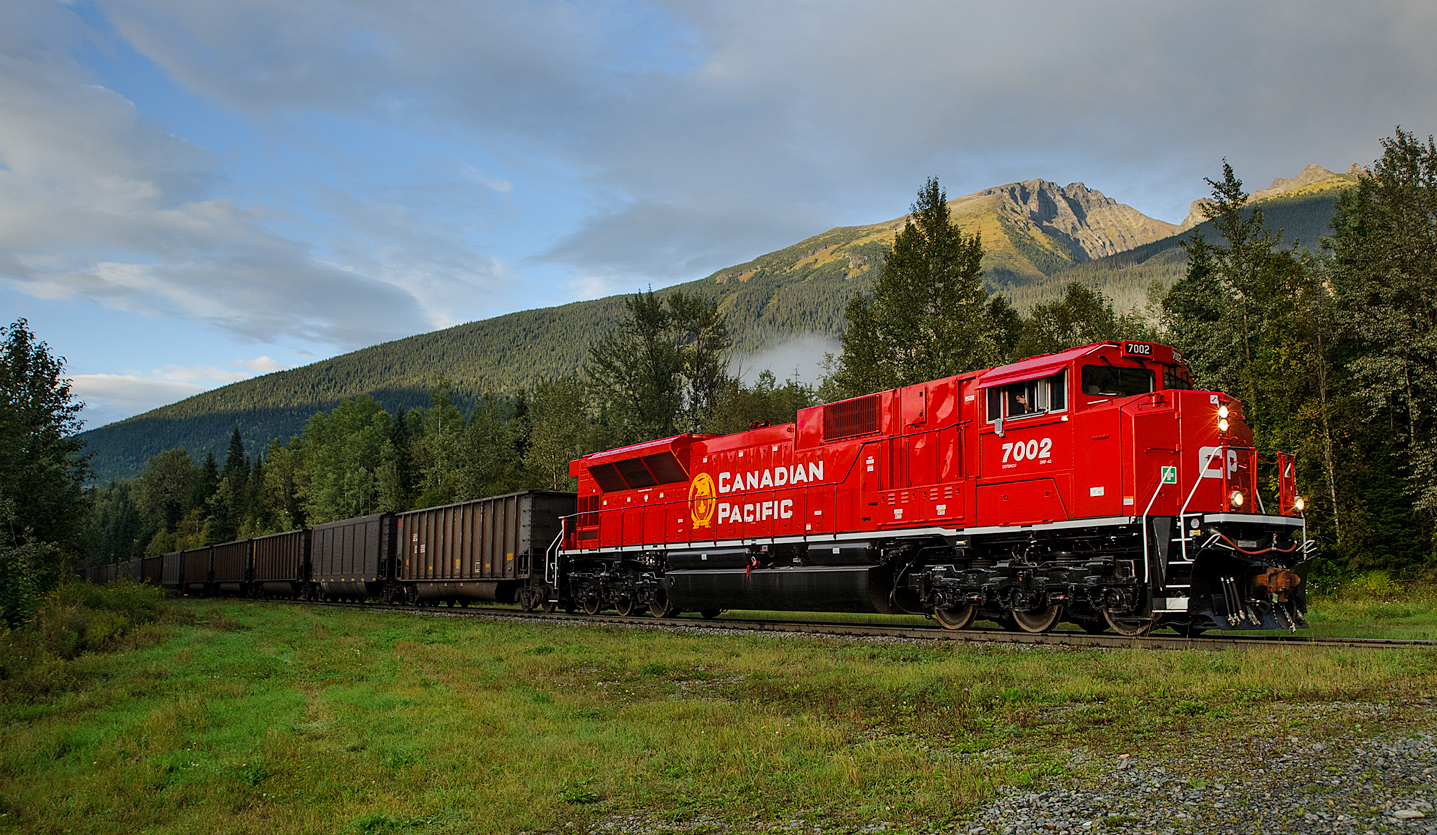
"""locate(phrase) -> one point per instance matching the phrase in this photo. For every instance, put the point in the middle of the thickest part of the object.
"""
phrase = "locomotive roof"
(1046, 364)
(1039, 366)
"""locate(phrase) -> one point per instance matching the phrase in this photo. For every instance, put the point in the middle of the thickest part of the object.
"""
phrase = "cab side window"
(1029, 397)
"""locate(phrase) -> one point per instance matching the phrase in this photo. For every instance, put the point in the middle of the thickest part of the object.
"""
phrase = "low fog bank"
(800, 356)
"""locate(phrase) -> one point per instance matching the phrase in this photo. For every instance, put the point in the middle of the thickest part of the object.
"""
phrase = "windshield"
(1112, 381)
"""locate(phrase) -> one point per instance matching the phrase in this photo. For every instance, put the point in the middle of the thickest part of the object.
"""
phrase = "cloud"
(112, 397)
(699, 132)
(98, 204)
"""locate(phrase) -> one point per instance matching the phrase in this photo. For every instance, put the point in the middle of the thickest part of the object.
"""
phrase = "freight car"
(1094, 485)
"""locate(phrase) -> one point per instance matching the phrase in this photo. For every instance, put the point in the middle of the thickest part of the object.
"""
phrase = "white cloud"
(703, 133)
(112, 397)
(98, 204)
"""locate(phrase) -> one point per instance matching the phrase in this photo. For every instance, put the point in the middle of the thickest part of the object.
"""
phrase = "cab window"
(1029, 397)
(1175, 379)
(1114, 381)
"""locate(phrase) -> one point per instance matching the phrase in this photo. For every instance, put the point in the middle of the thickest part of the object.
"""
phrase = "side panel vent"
(851, 418)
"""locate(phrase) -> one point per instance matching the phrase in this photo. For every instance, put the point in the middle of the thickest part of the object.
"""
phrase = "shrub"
(70, 621)
(1373, 585)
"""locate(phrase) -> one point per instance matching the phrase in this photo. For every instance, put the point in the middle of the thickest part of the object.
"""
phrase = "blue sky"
(195, 193)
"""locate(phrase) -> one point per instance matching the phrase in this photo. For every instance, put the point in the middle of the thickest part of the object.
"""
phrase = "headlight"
(1298, 504)
(1222, 411)
(1222, 425)
(1236, 498)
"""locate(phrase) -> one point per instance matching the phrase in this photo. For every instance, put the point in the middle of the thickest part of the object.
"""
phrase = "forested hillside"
(1037, 237)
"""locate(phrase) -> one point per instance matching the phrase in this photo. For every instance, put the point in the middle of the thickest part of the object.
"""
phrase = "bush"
(1373, 585)
(70, 621)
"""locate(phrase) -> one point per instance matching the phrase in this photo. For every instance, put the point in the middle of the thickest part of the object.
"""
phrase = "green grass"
(265, 718)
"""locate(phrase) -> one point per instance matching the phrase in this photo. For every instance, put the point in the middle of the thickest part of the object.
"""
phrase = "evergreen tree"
(659, 373)
(435, 450)
(928, 316)
(206, 482)
(488, 462)
(1385, 274)
(119, 531)
(42, 464)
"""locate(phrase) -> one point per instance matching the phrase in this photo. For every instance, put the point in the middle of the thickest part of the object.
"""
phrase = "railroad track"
(1056, 638)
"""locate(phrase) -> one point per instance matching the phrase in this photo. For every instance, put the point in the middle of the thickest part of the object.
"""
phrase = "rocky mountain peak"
(1088, 222)
(1310, 175)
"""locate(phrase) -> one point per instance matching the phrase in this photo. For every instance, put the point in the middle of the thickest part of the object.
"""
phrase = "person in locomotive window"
(1023, 400)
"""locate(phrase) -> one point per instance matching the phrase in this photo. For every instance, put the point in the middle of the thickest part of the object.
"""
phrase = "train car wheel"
(710, 614)
(957, 617)
(628, 607)
(663, 607)
(1127, 626)
(592, 605)
(1040, 620)
(548, 607)
(528, 601)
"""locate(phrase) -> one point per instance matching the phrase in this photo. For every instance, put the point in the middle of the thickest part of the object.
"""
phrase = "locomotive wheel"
(592, 605)
(1040, 620)
(627, 607)
(663, 607)
(1128, 626)
(957, 617)
(710, 614)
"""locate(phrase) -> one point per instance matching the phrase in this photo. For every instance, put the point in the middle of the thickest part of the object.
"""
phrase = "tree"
(344, 452)
(740, 407)
(660, 372)
(560, 431)
(489, 462)
(435, 449)
(43, 467)
(1385, 276)
(1082, 316)
(165, 490)
(928, 316)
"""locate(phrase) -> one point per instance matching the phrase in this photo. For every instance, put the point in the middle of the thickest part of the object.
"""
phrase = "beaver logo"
(702, 500)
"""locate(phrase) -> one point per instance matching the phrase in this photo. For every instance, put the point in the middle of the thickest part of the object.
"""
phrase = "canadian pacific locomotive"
(1092, 485)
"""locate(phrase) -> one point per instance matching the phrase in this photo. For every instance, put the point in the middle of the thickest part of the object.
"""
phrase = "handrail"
(1182, 511)
(1146, 510)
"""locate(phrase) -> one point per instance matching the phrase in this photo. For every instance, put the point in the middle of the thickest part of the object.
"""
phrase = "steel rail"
(985, 636)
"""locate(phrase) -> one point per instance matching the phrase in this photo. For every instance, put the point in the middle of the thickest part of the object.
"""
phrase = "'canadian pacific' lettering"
(755, 511)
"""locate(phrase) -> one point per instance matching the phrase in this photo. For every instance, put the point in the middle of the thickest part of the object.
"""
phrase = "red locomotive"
(1093, 485)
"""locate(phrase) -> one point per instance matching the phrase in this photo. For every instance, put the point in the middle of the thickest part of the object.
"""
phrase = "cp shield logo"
(702, 500)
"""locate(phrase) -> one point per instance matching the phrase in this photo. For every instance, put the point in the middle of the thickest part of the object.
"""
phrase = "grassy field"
(240, 717)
